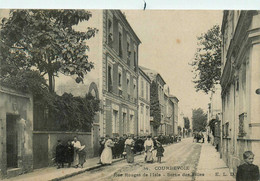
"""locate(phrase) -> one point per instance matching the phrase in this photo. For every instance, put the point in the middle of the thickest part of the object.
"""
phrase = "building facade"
(157, 78)
(143, 104)
(175, 117)
(114, 80)
(239, 80)
(16, 122)
(214, 117)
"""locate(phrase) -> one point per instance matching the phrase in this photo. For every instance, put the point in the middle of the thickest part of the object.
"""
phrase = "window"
(142, 87)
(110, 33)
(109, 74)
(128, 82)
(128, 51)
(135, 90)
(131, 124)
(147, 87)
(110, 29)
(119, 77)
(135, 58)
(115, 126)
(120, 38)
(109, 83)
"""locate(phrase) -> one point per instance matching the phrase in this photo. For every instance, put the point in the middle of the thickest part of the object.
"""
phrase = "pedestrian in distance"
(160, 151)
(247, 171)
(59, 155)
(106, 156)
(129, 148)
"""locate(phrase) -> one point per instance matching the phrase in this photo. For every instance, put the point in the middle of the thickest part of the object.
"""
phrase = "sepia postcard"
(117, 94)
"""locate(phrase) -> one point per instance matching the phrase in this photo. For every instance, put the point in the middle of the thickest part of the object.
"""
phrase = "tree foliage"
(29, 81)
(45, 40)
(199, 120)
(207, 62)
(155, 110)
(74, 113)
(186, 123)
(65, 113)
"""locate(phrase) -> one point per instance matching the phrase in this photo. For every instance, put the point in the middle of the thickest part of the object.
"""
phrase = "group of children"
(64, 154)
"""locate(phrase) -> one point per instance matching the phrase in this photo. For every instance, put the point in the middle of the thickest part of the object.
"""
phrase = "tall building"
(214, 117)
(157, 78)
(175, 116)
(240, 78)
(143, 104)
(114, 79)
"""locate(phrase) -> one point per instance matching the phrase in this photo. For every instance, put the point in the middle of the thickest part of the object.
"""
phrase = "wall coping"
(14, 92)
(61, 132)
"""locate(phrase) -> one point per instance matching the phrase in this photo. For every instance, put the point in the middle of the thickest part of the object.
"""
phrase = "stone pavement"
(52, 173)
(211, 167)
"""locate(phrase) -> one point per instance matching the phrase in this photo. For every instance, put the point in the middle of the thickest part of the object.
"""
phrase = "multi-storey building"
(157, 78)
(143, 103)
(214, 117)
(174, 101)
(240, 78)
(114, 79)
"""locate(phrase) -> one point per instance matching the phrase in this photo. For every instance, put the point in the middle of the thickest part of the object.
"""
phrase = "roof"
(144, 74)
(152, 74)
(122, 15)
(173, 97)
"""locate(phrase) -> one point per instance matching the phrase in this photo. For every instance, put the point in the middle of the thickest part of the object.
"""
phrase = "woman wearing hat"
(106, 156)
(129, 148)
(148, 148)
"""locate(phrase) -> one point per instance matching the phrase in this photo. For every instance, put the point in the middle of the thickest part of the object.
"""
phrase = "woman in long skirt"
(129, 148)
(76, 144)
(82, 156)
(106, 156)
(148, 147)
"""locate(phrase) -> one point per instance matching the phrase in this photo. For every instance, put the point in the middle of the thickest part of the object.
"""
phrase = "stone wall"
(20, 107)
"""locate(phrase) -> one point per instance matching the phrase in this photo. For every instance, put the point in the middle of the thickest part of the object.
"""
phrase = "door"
(11, 141)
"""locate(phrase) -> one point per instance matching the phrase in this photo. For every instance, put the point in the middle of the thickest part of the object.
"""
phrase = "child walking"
(160, 151)
(247, 171)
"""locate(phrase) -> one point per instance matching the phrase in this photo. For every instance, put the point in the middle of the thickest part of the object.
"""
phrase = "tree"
(207, 62)
(186, 123)
(45, 40)
(199, 120)
(155, 110)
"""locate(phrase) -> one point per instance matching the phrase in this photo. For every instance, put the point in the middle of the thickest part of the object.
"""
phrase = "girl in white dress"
(106, 156)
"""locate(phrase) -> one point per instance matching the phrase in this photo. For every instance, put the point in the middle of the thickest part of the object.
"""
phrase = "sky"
(169, 42)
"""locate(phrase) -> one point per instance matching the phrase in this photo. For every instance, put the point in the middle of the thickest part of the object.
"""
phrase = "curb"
(84, 170)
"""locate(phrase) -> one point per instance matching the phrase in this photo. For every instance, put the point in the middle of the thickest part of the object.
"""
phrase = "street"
(179, 163)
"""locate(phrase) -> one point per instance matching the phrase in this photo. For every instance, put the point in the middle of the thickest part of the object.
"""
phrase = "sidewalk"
(52, 173)
(210, 166)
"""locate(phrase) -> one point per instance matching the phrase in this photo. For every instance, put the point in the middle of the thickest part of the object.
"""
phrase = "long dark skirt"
(129, 154)
(82, 157)
(149, 154)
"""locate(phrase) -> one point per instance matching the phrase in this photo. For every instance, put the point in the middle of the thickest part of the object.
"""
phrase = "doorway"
(12, 141)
